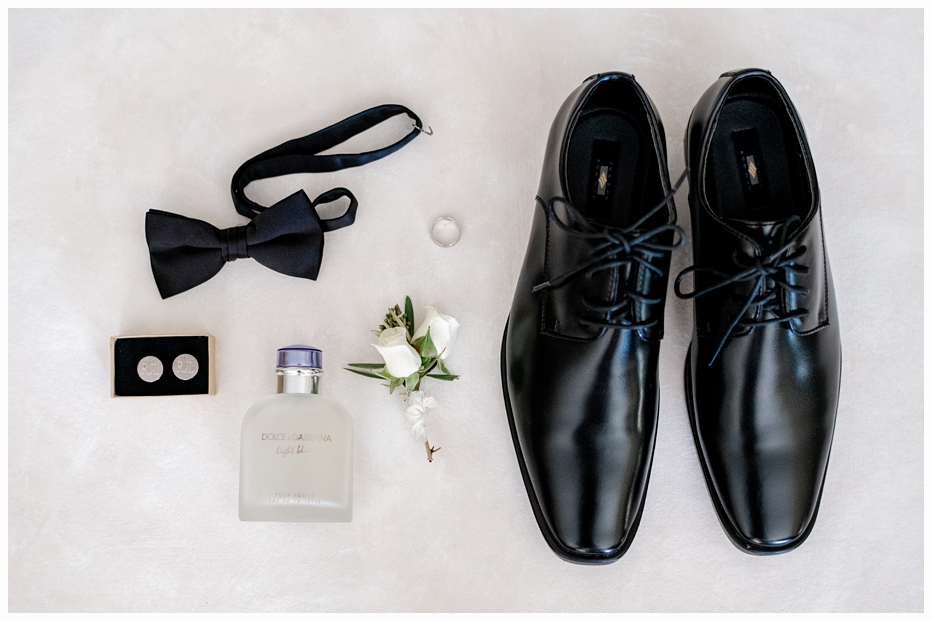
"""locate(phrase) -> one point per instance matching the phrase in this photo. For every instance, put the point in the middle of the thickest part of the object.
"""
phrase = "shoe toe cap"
(768, 500)
(780, 531)
(592, 513)
(579, 539)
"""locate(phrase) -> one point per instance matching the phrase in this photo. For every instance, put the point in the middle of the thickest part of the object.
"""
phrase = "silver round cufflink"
(149, 369)
(185, 367)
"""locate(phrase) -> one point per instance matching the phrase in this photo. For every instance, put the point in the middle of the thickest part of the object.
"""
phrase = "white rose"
(401, 360)
(416, 413)
(442, 330)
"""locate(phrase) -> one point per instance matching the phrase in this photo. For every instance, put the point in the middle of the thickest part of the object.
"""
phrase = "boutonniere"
(410, 356)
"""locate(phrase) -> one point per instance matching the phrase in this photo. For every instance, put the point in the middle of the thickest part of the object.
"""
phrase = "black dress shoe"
(764, 366)
(579, 355)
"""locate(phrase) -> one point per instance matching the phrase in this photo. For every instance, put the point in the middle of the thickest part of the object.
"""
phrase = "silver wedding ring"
(445, 231)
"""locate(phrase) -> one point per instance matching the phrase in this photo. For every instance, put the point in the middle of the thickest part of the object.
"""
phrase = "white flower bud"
(401, 360)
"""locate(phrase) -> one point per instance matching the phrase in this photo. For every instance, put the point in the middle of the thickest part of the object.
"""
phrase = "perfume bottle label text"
(294, 498)
(285, 451)
(297, 437)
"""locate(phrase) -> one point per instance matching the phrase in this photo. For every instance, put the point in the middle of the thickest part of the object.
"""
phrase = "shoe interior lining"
(612, 175)
(755, 170)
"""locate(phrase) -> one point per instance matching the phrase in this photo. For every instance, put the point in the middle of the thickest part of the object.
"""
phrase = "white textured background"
(131, 504)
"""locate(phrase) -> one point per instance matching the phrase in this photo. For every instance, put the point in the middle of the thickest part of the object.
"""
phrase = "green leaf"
(361, 373)
(409, 316)
(443, 377)
(368, 366)
(411, 382)
(425, 346)
(443, 367)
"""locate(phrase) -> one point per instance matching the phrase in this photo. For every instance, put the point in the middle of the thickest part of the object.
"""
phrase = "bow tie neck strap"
(345, 219)
(302, 155)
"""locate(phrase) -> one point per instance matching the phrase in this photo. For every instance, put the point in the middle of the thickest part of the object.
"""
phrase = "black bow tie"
(288, 237)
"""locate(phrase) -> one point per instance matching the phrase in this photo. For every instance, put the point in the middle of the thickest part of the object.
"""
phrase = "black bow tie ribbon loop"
(287, 237)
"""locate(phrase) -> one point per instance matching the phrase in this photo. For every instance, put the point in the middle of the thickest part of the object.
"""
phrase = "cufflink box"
(162, 365)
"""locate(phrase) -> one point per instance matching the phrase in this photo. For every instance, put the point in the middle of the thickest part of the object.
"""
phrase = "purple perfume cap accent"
(300, 356)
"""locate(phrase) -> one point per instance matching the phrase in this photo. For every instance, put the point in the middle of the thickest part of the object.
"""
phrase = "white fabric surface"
(131, 504)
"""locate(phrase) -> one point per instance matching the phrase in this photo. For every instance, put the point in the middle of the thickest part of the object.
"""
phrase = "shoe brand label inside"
(751, 168)
(602, 182)
(602, 176)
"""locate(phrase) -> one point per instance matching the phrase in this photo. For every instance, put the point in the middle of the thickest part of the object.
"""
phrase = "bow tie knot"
(233, 243)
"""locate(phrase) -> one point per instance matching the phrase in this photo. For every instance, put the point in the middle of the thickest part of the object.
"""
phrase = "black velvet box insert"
(162, 365)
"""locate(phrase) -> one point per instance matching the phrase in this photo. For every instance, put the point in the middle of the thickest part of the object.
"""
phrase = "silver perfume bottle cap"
(300, 356)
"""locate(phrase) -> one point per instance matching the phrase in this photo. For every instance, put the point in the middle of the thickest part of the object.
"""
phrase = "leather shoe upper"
(580, 352)
(764, 366)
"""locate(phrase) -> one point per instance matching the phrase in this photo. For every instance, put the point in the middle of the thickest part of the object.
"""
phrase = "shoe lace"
(615, 248)
(768, 272)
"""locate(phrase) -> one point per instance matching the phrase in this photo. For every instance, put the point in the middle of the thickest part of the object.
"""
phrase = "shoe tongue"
(765, 233)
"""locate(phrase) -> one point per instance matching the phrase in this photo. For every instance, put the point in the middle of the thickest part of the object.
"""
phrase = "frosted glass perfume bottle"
(296, 453)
